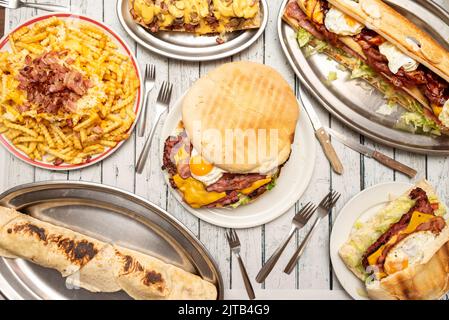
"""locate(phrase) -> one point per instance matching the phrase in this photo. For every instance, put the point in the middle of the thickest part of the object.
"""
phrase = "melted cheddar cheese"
(195, 13)
(256, 185)
(194, 192)
(416, 220)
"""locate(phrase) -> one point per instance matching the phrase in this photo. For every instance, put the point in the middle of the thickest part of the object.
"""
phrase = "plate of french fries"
(69, 91)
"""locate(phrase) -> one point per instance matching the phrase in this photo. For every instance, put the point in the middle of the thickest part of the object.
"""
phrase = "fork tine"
(308, 209)
(326, 199)
(170, 89)
(228, 237)
(332, 201)
(153, 71)
(167, 96)
(235, 238)
(146, 72)
(166, 93)
(310, 214)
(335, 199)
(305, 209)
(161, 91)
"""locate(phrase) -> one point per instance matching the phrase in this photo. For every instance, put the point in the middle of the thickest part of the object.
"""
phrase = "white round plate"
(363, 206)
(123, 48)
(293, 181)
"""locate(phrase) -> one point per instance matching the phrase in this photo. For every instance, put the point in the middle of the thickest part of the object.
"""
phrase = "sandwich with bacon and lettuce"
(383, 48)
(402, 252)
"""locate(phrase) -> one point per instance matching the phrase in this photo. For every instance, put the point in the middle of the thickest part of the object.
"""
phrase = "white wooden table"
(314, 271)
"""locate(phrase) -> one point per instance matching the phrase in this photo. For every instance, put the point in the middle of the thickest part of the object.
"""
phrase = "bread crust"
(400, 31)
(245, 99)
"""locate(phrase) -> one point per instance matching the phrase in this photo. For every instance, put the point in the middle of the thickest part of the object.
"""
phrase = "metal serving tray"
(189, 47)
(108, 214)
(349, 100)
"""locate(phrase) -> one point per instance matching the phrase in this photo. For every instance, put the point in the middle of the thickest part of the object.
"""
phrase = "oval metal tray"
(351, 102)
(108, 214)
(188, 47)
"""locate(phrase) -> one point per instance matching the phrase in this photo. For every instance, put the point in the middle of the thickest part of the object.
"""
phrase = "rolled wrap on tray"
(95, 265)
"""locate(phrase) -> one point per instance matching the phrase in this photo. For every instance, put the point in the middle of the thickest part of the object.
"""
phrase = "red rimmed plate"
(122, 48)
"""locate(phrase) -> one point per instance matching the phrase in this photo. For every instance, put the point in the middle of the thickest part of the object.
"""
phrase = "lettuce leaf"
(303, 37)
(362, 70)
(243, 200)
(418, 122)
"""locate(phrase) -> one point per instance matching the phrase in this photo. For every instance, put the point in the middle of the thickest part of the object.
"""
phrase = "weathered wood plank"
(313, 269)
(275, 231)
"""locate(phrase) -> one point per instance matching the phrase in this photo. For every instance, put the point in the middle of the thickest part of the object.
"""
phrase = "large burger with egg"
(379, 45)
(402, 252)
(238, 124)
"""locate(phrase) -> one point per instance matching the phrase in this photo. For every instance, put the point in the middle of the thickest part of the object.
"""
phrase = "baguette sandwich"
(383, 48)
(403, 251)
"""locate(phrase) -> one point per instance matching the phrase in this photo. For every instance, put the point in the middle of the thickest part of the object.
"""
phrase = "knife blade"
(371, 153)
(320, 133)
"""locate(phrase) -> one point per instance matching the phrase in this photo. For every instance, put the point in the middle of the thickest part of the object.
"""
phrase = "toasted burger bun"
(242, 97)
(400, 31)
(428, 280)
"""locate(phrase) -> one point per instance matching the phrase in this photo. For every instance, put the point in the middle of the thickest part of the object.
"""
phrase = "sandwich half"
(403, 251)
(238, 125)
(383, 48)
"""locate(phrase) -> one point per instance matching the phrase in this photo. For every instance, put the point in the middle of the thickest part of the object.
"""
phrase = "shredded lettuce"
(332, 76)
(303, 37)
(319, 46)
(362, 70)
(418, 122)
(243, 200)
(271, 185)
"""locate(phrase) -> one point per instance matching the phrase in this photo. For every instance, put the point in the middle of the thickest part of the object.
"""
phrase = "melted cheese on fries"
(196, 15)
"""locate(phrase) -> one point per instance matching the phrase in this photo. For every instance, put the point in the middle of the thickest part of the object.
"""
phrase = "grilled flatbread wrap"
(95, 265)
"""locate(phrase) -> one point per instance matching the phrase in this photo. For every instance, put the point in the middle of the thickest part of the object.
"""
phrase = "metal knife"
(321, 133)
(371, 153)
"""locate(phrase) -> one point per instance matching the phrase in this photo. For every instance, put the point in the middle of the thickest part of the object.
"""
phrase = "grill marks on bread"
(78, 252)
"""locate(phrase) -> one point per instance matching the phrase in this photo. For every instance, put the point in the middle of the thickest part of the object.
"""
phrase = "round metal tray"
(351, 102)
(105, 213)
(189, 47)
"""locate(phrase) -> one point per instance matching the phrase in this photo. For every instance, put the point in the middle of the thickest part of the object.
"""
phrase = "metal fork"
(150, 80)
(162, 103)
(299, 220)
(323, 210)
(15, 4)
(234, 243)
